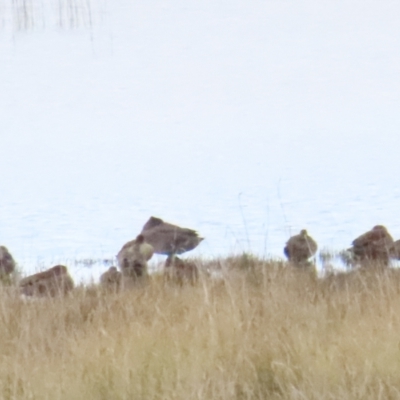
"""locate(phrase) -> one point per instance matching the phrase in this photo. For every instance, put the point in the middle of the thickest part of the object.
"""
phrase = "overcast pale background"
(245, 120)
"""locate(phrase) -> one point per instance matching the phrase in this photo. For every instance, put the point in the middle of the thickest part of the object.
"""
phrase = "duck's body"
(111, 279)
(374, 245)
(169, 239)
(300, 248)
(52, 282)
(133, 257)
(7, 263)
(180, 271)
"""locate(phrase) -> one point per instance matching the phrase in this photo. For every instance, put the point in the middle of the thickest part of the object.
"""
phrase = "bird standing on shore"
(375, 245)
(133, 257)
(180, 271)
(300, 248)
(169, 239)
(111, 279)
(7, 263)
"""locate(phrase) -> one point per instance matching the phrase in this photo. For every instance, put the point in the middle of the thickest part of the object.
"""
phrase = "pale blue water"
(245, 121)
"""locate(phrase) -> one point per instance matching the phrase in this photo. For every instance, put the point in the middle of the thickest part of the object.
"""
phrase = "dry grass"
(266, 332)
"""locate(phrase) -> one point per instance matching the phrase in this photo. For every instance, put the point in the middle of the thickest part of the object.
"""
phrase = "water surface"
(247, 122)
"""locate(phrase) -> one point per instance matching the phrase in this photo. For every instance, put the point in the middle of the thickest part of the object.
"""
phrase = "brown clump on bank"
(7, 263)
(133, 257)
(373, 246)
(300, 248)
(111, 279)
(269, 332)
(180, 271)
(52, 282)
(169, 239)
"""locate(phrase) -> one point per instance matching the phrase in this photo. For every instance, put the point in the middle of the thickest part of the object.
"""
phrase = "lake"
(246, 121)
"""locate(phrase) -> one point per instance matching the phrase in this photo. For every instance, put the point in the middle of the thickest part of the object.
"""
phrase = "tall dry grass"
(265, 331)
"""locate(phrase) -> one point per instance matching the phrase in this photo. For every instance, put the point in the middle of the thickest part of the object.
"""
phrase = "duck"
(111, 278)
(52, 282)
(7, 263)
(299, 248)
(133, 257)
(169, 239)
(374, 245)
(180, 271)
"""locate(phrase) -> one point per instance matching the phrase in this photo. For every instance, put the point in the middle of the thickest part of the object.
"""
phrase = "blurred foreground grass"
(262, 330)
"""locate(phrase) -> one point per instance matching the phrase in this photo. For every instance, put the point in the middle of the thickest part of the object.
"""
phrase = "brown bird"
(169, 239)
(180, 271)
(133, 257)
(300, 248)
(52, 282)
(111, 279)
(7, 263)
(374, 245)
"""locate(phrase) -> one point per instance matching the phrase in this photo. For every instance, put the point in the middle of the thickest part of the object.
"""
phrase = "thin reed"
(262, 330)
